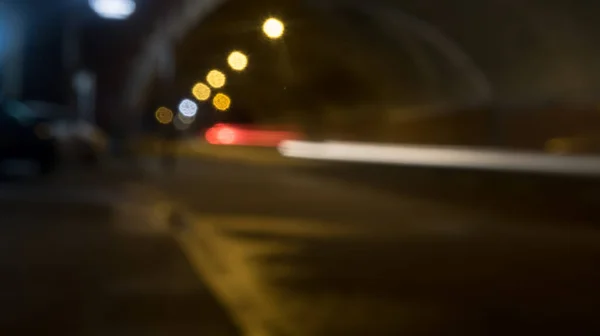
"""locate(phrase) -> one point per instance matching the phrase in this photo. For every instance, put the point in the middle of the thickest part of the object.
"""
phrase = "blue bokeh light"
(188, 108)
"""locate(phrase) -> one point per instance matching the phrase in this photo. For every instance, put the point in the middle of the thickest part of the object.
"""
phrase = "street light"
(237, 60)
(84, 95)
(221, 102)
(216, 79)
(188, 108)
(273, 28)
(201, 91)
(113, 9)
(164, 115)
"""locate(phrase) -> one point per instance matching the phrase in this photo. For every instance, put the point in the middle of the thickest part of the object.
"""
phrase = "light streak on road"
(226, 134)
(442, 157)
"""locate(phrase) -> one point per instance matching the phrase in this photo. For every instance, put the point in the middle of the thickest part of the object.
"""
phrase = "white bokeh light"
(113, 9)
(188, 108)
(273, 28)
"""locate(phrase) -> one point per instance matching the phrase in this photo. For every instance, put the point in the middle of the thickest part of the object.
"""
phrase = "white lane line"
(443, 157)
(221, 267)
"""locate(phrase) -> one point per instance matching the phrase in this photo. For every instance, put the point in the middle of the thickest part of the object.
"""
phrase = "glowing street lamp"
(106, 9)
(221, 102)
(201, 91)
(273, 28)
(237, 60)
(113, 9)
(188, 108)
(216, 79)
(164, 115)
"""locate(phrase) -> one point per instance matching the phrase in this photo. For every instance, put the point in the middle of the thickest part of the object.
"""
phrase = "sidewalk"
(97, 268)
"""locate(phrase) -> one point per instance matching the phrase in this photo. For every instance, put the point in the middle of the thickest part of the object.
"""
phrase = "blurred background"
(386, 72)
(300, 167)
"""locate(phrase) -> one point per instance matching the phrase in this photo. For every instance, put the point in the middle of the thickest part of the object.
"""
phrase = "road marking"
(224, 262)
(237, 294)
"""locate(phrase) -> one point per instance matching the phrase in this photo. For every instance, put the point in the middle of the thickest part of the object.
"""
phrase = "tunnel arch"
(523, 52)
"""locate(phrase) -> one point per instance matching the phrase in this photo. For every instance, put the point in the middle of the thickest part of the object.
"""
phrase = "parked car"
(26, 136)
(78, 141)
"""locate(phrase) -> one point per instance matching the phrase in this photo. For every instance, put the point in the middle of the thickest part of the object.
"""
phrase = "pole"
(82, 91)
(12, 47)
(71, 56)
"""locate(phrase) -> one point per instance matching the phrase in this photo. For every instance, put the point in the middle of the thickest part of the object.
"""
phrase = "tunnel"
(443, 71)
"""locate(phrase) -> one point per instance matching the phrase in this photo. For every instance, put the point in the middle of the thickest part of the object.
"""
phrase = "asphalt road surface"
(82, 255)
(215, 248)
(309, 252)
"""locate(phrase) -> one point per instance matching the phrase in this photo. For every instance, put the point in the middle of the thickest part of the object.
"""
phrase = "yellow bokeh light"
(273, 28)
(216, 79)
(221, 102)
(164, 115)
(201, 91)
(237, 60)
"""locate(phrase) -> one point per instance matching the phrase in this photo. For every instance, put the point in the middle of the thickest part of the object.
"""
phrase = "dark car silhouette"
(25, 136)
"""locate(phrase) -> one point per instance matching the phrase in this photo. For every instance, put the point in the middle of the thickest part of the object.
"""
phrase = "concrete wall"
(531, 51)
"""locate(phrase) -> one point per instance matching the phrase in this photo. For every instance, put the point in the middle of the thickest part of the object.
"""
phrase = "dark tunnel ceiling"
(532, 51)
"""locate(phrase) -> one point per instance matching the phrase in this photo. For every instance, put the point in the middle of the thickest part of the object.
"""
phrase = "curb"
(208, 253)
(197, 246)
